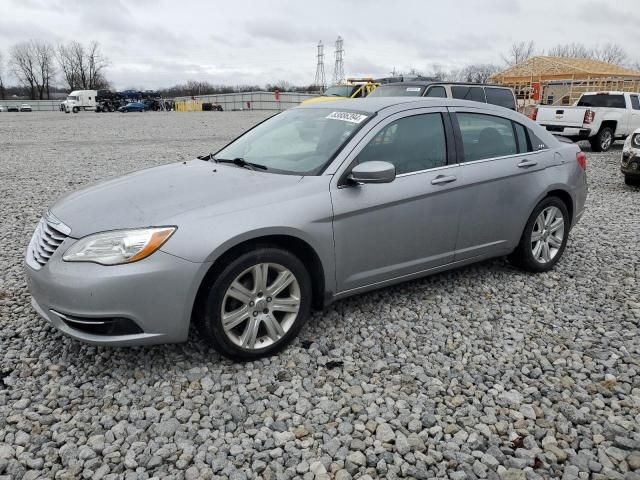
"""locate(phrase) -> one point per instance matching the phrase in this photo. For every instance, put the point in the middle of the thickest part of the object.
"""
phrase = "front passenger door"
(388, 231)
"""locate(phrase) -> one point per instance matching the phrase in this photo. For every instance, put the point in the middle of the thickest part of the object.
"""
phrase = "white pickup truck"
(600, 117)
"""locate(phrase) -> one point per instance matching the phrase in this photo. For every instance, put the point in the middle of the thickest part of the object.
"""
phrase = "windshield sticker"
(347, 117)
(413, 89)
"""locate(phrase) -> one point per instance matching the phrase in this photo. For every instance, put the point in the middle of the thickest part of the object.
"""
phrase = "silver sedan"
(315, 204)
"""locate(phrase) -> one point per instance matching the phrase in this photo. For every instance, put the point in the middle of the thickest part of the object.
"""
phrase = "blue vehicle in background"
(132, 107)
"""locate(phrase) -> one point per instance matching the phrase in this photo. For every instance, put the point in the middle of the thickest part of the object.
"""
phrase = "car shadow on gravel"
(326, 327)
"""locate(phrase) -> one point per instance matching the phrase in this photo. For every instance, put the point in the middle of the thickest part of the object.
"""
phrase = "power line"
(320, 81)
(338, 69)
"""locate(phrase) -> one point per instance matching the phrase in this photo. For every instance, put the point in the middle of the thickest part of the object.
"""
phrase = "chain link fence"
(36, 105)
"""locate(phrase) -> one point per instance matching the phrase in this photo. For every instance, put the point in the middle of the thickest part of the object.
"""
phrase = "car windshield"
(298, 141)
(338, 91)
(397, 91)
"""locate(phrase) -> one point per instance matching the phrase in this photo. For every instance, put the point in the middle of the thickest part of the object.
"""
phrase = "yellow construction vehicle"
(352, 88)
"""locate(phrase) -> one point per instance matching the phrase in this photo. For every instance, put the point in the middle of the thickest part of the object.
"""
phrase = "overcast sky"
(156, 43)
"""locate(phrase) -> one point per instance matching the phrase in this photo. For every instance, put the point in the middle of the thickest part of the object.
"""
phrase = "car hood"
(157, 196)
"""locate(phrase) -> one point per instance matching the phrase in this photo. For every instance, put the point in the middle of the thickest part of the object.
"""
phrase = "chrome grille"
(45, 241)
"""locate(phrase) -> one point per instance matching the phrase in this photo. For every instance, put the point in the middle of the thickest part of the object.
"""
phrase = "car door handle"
(527, 163)
(442, 179)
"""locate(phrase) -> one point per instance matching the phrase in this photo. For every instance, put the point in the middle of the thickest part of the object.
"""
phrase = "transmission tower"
(321, 81)
(338, 69)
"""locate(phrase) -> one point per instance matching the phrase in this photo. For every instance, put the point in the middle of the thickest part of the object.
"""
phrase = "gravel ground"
(484, 372)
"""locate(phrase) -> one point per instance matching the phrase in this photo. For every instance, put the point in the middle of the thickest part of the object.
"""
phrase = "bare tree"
(519, 52)
(32, 63)
(82, 67)
(45, 68)
(570, 50)
(2, 89)
(438, 73)
(611, 53)
(477, 73)
(68, 66)
(96, 63)
(23, 63)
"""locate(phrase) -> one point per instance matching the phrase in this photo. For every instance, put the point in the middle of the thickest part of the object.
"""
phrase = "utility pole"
(338, 69)
(320, 81)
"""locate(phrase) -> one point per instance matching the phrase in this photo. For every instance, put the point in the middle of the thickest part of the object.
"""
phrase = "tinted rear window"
(397, 91)
(602, 100)
(464, 92)
(502, 97)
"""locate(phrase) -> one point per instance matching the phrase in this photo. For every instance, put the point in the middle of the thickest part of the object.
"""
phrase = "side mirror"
(373, 172)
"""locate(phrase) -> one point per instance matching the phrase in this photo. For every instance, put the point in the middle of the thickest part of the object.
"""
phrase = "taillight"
(581, 158)
(534, 113)
(589, 115)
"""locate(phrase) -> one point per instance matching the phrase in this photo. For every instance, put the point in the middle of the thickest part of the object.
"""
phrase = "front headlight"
(636, 140)
(118, 246)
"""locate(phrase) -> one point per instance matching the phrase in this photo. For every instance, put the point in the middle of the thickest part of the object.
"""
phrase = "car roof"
(424, 83)
(376, 104)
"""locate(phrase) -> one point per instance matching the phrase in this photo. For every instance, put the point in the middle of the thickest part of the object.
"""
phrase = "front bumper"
(630, 163)
(155, 294)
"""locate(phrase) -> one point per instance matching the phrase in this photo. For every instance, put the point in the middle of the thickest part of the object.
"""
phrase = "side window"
(521, 134)
(486, 136)
(464, 92)
(412, 144)
(635, 103)
(437, 91)
(503, 97)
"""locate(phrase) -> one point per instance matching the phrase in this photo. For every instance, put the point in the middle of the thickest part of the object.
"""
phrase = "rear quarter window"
(464, 92)
(602, 100)
(503, 97)
(438, 92)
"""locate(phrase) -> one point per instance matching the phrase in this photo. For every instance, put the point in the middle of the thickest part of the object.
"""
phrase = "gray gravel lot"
(484, 372)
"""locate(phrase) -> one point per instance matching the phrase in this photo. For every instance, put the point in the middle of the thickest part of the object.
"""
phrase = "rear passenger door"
(500, 179)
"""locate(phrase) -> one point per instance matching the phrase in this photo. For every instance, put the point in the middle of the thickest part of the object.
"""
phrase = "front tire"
(544, 238)
(256, 304)
(603, 140)
(76, 109)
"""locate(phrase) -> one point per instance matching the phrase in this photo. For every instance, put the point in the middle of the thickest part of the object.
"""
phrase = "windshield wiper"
(240, 162)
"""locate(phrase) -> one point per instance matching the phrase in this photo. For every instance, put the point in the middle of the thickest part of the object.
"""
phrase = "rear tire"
(603, 140)
(251, 304)
(632, 181)
(544, 238)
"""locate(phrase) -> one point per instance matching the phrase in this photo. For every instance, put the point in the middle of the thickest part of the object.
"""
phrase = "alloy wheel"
(547, 235)
(605, 140)
(260, 306)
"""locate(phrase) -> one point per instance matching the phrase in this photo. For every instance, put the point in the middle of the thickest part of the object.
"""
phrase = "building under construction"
(561, 81)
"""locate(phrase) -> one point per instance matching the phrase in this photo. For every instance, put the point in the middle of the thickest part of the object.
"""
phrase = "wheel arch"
(554, 191)
(297, 246)
(566, 198)
(612, 124)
